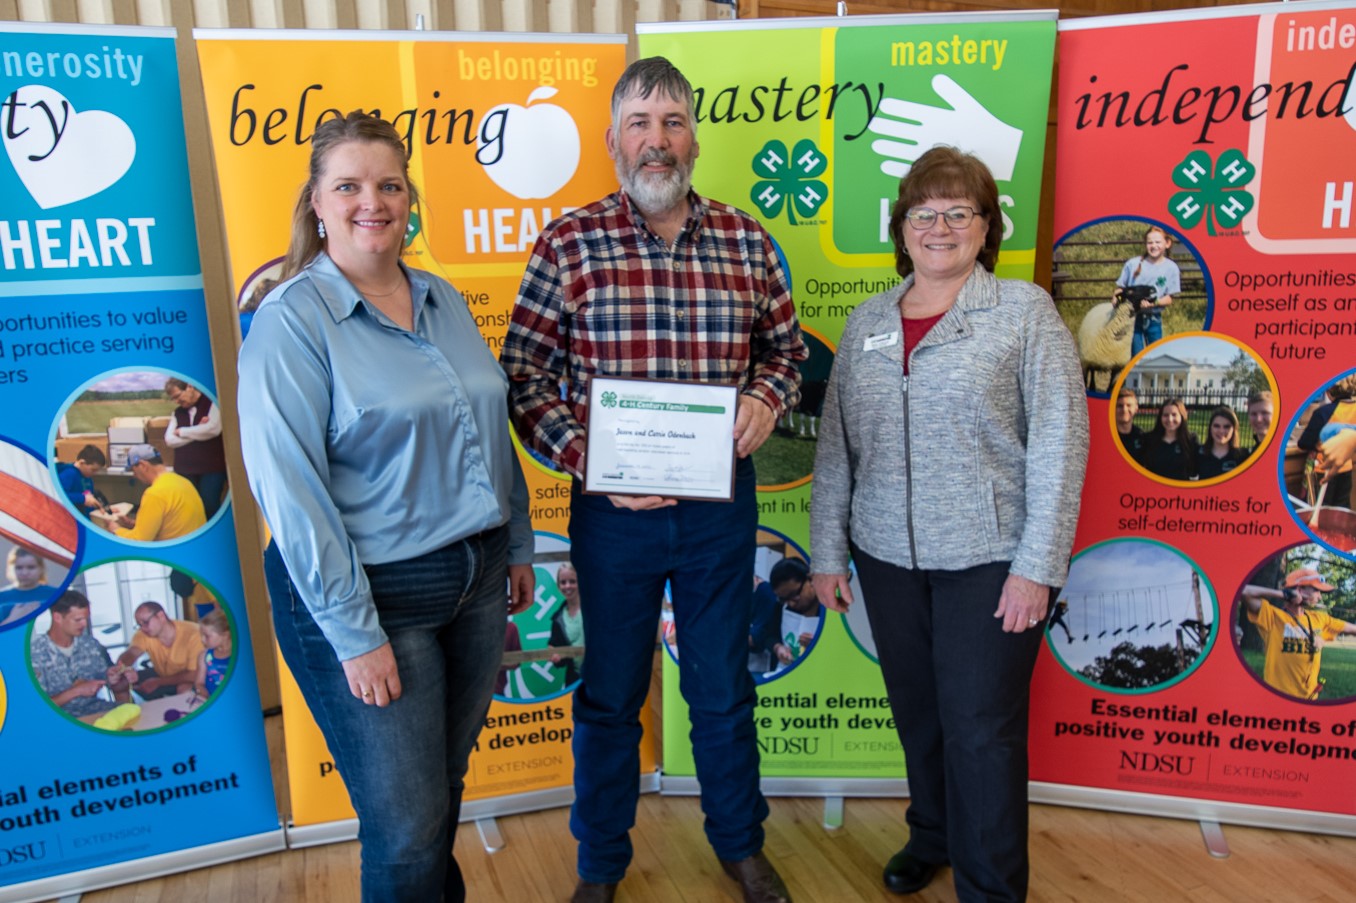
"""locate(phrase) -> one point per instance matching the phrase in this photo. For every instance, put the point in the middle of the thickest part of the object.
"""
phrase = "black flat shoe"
(905, 874)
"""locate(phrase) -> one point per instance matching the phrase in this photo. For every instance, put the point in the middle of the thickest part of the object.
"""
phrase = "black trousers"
(959, 688)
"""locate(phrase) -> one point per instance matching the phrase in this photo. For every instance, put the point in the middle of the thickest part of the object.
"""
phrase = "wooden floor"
(1077, 855)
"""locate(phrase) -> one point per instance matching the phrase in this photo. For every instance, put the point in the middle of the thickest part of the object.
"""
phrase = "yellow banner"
(505, 133)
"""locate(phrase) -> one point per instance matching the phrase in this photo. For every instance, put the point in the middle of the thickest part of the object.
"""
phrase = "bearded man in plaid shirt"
(657, 282)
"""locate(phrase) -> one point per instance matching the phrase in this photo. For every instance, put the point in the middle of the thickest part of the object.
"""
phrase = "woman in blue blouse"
(374, 423)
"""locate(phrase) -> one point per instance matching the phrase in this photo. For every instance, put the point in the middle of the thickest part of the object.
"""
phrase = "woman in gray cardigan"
(950, 464)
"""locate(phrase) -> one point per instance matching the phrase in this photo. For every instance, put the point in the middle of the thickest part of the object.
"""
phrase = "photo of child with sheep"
(1122, 285)
(1183, 411)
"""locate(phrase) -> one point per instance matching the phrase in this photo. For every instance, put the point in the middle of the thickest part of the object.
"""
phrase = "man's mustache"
(656, 155)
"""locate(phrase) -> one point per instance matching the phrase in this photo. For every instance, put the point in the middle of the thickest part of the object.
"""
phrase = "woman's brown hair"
(944, 172)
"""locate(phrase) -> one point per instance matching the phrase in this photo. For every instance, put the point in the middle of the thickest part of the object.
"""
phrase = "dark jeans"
(1148, 329)
(403, 764)
(623, 558)
(959, 689)
(211, 487)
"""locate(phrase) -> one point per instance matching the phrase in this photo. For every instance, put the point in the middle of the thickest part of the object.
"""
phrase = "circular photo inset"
(1135, 615)
(1294, 620)
(139, 454)
(787, 459)
(132, 645)
(39, 539)
(787, 618)
(1122, 284)
(1316, 465)
(256, 288)
(1194, 410)
(544, 645)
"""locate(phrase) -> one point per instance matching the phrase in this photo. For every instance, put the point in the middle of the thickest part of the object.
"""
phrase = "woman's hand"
(373, 677)
(834, 591)
(522, 583)
(1023, 604)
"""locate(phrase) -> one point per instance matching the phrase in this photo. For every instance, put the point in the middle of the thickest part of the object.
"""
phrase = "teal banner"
(130, 721)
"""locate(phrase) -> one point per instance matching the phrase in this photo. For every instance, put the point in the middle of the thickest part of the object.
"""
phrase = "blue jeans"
(1148, 329)
(444, 613)
(704, 550)
(210, 487)
(960, 691)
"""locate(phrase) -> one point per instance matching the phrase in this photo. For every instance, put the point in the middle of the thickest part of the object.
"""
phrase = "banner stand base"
(833, 813)
(301, 836)
(490, 837)
(1203, 811)
(675, 785)
(478, 811)
(1215, 842)
(70, 886)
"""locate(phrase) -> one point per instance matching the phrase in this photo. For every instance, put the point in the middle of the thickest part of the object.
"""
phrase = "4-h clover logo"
(609, 399)
(789, 179)
(1221, 192)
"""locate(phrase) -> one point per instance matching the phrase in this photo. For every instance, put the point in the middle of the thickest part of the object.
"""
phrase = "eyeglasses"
(924, 217)
(792, 595)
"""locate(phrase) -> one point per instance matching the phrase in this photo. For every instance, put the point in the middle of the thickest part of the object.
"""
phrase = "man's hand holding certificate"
(673, 440)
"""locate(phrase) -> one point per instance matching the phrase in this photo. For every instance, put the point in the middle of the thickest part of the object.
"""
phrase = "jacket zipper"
(908, 479)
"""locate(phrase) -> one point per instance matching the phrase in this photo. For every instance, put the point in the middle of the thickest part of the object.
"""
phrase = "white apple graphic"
(539, 149)
(61, 155)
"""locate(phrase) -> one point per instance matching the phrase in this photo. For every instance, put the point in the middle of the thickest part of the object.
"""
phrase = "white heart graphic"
(63, 156)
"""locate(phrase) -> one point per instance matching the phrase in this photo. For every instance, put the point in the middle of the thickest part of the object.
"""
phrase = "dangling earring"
(320, 228)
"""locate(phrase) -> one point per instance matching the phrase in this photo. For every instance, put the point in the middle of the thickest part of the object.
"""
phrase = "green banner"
(809, 124)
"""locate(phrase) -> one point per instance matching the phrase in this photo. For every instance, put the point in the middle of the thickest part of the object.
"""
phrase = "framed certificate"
(660, 437)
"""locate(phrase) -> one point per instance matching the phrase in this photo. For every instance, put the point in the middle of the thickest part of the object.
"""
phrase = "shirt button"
(677, 265)
(681, 314)
(682, 365)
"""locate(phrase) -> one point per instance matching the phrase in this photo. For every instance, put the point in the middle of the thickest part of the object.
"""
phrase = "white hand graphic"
(911, 128)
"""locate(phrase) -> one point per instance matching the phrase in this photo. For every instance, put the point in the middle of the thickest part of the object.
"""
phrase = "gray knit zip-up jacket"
(976, 457)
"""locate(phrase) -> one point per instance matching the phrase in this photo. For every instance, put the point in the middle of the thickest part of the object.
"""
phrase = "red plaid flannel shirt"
(603, 294)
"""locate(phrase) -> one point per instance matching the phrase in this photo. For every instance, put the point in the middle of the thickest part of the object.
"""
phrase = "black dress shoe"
(594, 892)
(759, 880)
(906, 874)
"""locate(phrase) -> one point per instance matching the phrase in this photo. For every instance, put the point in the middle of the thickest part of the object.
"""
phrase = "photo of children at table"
(109, 646)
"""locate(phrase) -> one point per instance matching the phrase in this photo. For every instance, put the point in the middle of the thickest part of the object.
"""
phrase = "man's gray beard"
(653, 194)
